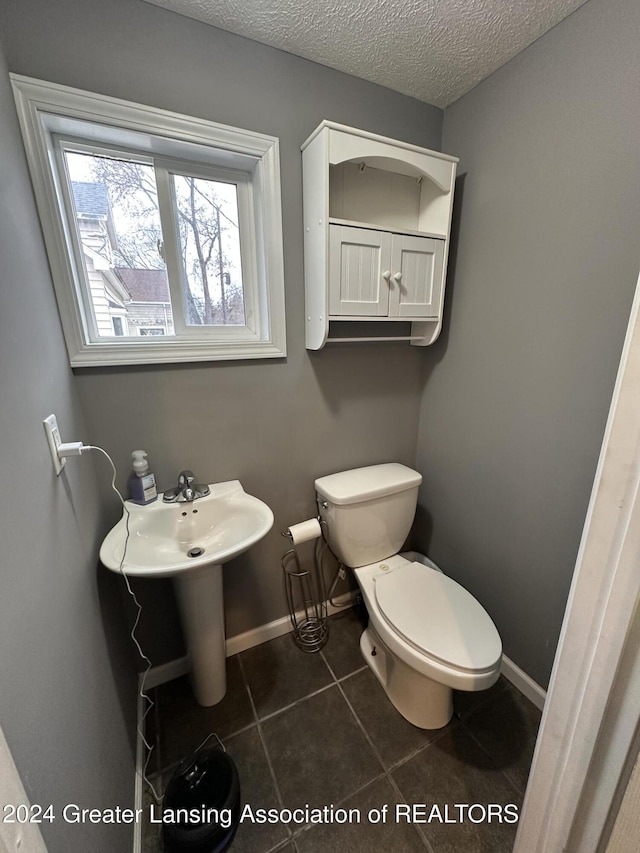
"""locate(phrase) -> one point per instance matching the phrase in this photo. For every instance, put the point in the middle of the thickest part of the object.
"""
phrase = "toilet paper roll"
(305, 531)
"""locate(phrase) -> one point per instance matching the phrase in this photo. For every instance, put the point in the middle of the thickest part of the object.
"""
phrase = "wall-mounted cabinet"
(377, 218)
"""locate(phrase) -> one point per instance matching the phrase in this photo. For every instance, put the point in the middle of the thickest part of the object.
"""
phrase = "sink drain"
(195, 552)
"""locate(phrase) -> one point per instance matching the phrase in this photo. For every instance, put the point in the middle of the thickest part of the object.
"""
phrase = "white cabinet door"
(359, 271)
(416, 276)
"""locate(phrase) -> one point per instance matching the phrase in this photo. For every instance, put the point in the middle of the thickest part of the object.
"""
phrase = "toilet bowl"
(427, 635)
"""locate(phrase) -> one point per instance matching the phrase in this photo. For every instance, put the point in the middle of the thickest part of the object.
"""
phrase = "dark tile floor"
(319, 730)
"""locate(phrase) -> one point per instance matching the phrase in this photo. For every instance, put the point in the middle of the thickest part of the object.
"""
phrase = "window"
(164, 232)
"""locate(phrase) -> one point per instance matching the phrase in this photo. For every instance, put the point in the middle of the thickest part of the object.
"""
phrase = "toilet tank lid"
(364, 484)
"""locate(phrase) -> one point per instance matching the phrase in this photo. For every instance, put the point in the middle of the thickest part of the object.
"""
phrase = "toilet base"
(423, 702)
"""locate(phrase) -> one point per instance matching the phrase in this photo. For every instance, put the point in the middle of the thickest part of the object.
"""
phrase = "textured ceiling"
(433, 50)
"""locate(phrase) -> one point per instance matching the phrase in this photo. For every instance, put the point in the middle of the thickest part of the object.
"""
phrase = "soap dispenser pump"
(142, 483)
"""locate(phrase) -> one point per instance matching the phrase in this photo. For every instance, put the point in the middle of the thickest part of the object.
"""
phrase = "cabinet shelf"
(359, 339)
(352, 223)
(377, 218)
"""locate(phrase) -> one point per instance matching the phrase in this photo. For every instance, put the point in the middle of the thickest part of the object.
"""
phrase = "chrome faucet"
(187, 489)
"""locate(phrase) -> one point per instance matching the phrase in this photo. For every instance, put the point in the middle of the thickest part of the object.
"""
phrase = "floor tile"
(279, 673)
(455, 770)
(507, 728)
(393, 737)
(342, 651)
(184, 724)
(319, 753)
(366, 836)
(257, 789)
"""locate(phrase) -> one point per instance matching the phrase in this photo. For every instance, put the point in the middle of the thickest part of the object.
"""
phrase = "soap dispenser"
(142, 483)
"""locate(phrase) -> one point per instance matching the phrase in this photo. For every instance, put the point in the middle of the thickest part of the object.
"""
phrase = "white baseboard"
(523, 682)
(165, 672)
(257, 636)
(139, 781)
(264, 633)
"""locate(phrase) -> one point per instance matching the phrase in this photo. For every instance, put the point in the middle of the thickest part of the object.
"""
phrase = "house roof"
(91, 199)
(145, 285)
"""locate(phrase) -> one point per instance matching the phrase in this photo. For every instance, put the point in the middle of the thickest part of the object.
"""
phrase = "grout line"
(440, 734)
(351, 674)
(386, 772)
(328, 665)
(340, 803)
(245, 681)
(359, 722)
(336, 678)
(282, 845)
(247, 688)
(421, 834)
(240, 731)
(273, 714)
(264, 744)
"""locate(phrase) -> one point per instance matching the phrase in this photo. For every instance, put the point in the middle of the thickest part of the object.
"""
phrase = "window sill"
(175, 352)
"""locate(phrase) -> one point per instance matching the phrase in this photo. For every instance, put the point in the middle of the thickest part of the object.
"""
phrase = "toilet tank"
(368, 511)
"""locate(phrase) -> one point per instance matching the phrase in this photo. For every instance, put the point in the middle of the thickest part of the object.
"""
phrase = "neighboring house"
(149, 308)
(127, 302)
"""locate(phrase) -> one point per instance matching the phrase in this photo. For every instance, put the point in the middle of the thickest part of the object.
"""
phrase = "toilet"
(427, 635)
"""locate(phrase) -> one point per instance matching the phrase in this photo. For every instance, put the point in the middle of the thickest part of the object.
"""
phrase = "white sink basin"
(167, 539)
(189, 542)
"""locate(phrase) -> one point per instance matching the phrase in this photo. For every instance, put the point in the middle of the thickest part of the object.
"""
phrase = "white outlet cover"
(52, 432)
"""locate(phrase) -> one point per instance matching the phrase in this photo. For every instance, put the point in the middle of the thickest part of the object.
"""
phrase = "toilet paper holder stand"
(306, 596)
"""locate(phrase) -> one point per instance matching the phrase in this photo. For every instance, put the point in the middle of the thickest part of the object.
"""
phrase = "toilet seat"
(438, 618)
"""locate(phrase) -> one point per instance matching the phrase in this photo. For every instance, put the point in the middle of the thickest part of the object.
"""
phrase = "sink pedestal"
(199, 594)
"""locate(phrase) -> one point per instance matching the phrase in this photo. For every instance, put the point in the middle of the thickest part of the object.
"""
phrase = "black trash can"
(201, 806)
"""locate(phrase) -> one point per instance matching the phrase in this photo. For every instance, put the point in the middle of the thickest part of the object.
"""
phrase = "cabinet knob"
(398, 277)
(386, 275)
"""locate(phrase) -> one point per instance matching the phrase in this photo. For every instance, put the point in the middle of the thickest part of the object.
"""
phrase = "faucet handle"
(186, 478)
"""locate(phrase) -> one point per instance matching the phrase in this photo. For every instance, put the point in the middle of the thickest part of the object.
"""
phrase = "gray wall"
(274, 425)
(517, 391)
(67, 696)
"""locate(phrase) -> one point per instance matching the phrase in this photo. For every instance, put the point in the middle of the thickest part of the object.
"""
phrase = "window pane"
(118, 222)
(210, 251)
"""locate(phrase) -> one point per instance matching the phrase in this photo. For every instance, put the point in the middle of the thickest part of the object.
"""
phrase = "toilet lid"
(439, 618)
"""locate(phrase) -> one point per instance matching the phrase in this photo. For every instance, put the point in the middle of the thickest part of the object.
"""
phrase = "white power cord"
(76, 448)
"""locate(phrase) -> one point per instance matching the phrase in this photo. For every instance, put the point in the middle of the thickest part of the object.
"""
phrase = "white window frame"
(175, 143)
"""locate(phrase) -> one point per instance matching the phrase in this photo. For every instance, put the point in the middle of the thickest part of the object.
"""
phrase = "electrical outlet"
(53, 438)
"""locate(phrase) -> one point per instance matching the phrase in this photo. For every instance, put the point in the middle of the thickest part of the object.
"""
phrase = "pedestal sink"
(189, 542)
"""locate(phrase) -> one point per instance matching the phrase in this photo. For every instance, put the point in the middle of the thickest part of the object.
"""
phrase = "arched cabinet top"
(345, 144)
